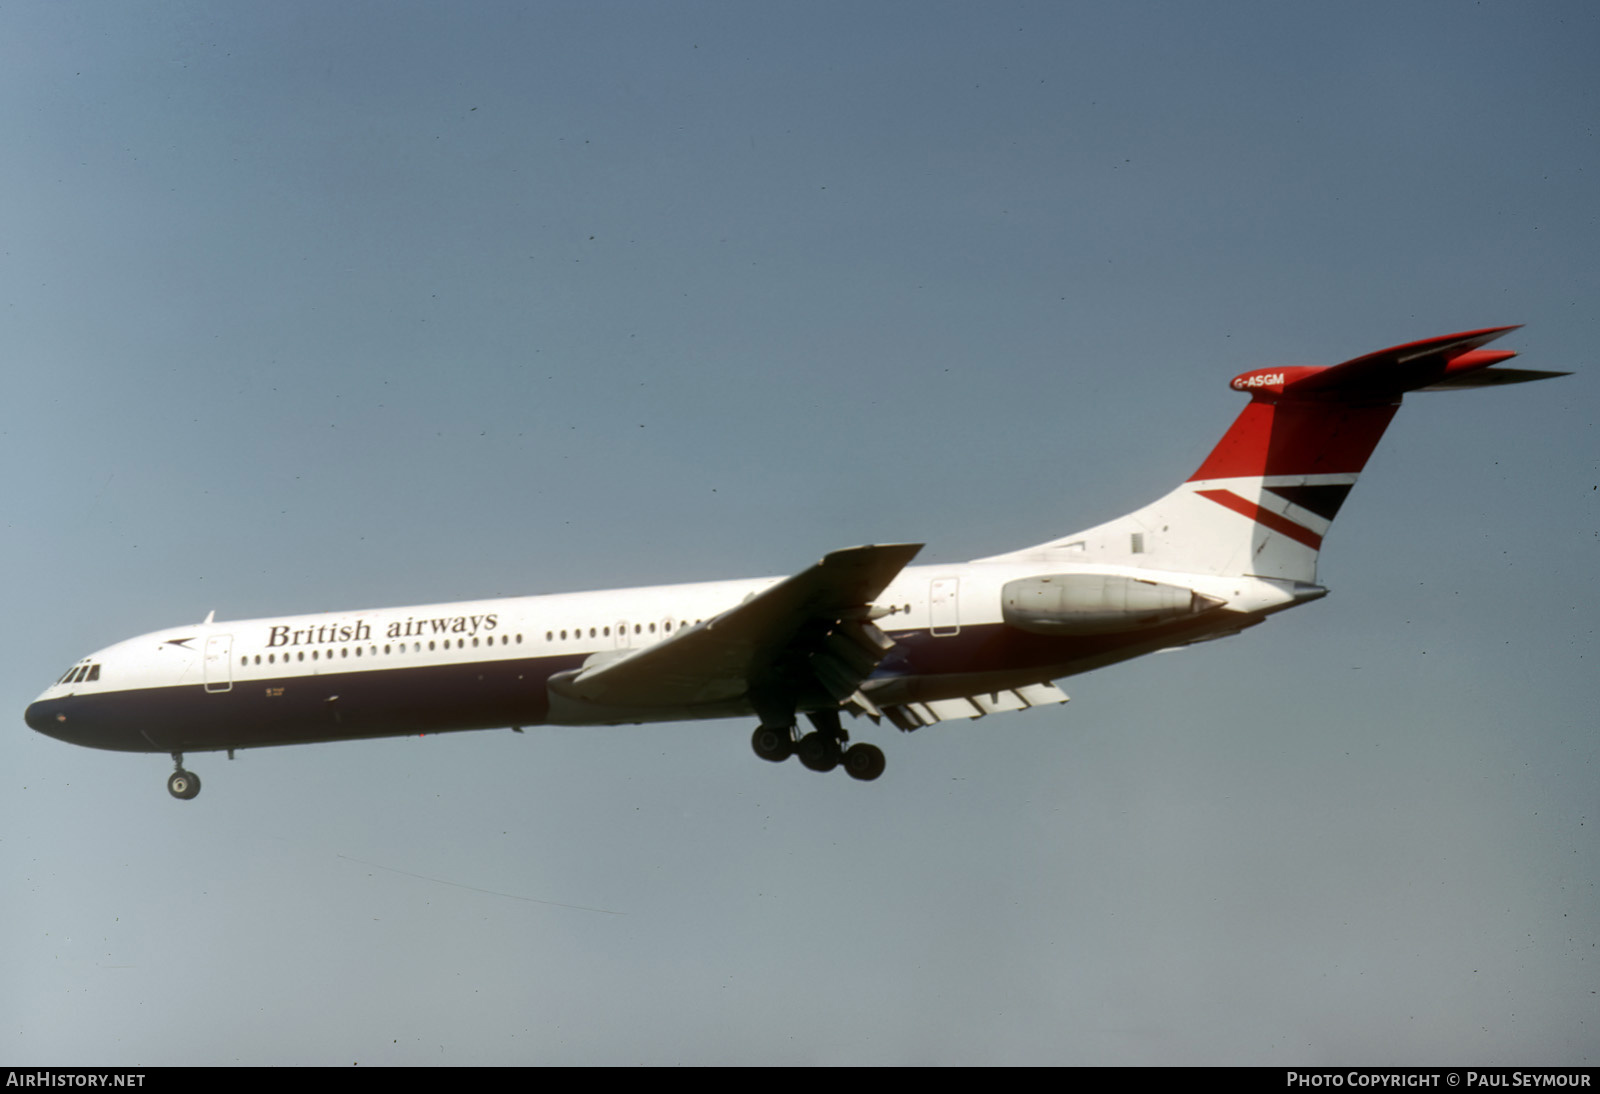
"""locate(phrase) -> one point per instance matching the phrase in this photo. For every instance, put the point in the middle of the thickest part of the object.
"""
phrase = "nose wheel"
(182, 784)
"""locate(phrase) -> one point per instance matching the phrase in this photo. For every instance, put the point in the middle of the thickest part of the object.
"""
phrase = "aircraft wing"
(812, 628)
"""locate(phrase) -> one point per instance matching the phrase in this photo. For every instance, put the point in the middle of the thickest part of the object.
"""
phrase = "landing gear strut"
(823, 749)
(182, 784)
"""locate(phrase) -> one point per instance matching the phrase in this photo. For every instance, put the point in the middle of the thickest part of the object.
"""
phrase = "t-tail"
(1262, 501)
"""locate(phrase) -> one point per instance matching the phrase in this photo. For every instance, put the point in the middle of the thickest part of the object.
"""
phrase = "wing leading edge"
(807, 634)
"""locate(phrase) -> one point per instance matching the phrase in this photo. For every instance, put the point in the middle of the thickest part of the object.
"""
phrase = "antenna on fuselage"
(212, 614)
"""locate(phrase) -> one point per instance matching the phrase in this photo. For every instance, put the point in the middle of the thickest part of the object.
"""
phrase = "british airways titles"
(360, 631)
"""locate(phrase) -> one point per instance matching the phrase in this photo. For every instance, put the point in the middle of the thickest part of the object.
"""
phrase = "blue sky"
(336, 306)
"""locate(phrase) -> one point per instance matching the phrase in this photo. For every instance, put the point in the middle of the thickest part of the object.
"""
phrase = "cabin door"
(219, 662)
(944, 606)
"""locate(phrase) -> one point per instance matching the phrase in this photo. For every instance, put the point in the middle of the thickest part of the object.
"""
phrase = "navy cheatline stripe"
(259, 712)
(413, 699)
(1264, 517)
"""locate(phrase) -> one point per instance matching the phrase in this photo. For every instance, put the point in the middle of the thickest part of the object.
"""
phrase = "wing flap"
(909, 716)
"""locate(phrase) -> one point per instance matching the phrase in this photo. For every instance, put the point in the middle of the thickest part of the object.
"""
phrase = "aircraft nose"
(79, 720)
(46, 716)
(37, 716)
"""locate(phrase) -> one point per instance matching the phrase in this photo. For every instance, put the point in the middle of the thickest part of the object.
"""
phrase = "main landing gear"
(823, 749)
(182, 784)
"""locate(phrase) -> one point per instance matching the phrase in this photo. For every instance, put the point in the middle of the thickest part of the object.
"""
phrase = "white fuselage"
(486, 663)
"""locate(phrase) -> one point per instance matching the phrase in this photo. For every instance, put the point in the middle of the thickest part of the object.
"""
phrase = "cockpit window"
(94, 672)
(79, 673)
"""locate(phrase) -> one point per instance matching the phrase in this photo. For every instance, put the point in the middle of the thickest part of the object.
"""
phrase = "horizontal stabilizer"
(1405, 368)
(1434, 364)
(1491, 377)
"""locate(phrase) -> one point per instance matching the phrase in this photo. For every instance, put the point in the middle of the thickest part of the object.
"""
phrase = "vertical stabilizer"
(1262, 501)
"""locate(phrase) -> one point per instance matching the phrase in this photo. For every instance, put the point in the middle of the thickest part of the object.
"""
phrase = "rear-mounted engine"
(1097, 603)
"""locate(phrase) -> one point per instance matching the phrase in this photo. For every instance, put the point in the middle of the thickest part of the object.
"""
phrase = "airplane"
(861, 632)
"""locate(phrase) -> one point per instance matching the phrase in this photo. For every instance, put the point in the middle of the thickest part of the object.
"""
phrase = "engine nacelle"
(1096, 603)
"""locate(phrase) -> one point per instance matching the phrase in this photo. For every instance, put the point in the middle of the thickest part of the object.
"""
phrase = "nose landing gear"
(182, 784)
